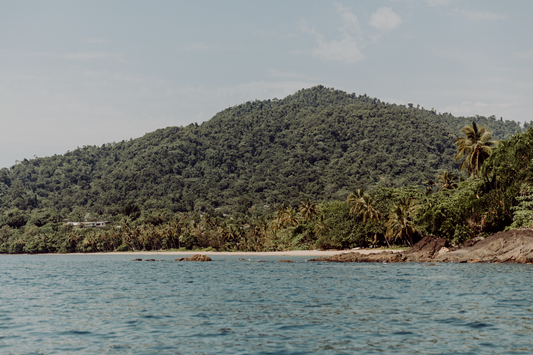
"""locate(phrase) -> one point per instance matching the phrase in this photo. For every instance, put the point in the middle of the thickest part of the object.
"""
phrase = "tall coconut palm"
(400, 224)
(447, 180)
(286, 216)
(364, 208)
(280, 216)
(474, 149)
(354, 197)
(291, 217)
(308, 209)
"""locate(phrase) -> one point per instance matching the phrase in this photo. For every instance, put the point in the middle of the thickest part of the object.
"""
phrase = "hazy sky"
(76, 73)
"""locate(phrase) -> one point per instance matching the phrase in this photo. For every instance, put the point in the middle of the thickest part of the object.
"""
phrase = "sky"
(76, 73)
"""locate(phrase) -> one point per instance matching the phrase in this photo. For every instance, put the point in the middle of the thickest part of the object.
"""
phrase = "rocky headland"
(515, 246)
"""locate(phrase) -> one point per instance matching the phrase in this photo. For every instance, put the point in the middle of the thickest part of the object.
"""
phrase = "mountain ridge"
(319, 143)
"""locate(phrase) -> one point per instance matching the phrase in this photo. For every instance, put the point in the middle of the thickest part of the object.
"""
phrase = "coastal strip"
(514, 246)
(258, 253)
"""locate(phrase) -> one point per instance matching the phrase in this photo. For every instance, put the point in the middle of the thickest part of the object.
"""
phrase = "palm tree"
(447, 180)
(429, 182)
(429, 186)
(286, 216)
(308, 209)
(364, 208)
(354, 197)
(400, 224)
(280, 216)
(474, 148)
(321, 227)
(291, 216)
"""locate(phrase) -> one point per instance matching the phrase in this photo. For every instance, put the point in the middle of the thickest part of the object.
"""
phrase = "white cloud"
(196, 47)
(478, 15)
(384, 19)
(460, 54)
(348, 48)
(350, 22)
(439, 2)
(528, 54)
(345, 50)
(287, 75)
(95, 40)
(92, 55)
(431, 2)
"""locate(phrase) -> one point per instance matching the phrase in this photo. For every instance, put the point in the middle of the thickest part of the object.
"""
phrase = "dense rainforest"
(261, 175)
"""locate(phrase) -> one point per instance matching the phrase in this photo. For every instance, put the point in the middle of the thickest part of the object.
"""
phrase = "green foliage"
(523, 212)
(508, 173)
(188, 240)
(447, 180)
(510, 166)
(461, 234)
(400, 225)
(342, 229)
(468, 206)
(247, 179)
(319, 143)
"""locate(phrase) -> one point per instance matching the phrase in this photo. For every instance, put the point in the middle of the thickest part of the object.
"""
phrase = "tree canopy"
(318, 143)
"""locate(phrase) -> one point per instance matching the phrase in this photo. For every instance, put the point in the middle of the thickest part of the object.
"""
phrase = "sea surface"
(109, 304)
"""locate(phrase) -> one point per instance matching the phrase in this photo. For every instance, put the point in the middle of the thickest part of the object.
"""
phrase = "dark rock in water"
(138, 260)
(261, 261)
(196, 257)
(515, 246)
(241, 259)
(285, 261)
(150, 260)
(354, 257)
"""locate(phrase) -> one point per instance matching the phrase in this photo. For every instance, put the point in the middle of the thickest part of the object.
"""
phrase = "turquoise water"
(98, 304)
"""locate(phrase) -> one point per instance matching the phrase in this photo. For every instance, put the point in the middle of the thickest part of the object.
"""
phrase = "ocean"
(109, 304)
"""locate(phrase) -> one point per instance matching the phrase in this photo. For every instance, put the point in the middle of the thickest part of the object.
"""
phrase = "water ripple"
(100, 304)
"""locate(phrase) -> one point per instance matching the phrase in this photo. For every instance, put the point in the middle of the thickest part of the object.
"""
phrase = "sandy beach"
(265, 253)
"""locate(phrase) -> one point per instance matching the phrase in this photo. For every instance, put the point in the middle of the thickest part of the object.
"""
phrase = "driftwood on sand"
(515, 246)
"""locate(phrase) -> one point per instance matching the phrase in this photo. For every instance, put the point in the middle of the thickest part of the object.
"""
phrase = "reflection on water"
(92, 304)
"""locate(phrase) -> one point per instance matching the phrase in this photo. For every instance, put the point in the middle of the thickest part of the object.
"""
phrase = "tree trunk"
(384, 236)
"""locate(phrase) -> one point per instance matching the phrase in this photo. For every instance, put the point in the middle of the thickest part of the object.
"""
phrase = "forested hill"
(318, 143)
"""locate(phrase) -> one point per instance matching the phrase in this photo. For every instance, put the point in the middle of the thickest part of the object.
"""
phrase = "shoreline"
(258, 253)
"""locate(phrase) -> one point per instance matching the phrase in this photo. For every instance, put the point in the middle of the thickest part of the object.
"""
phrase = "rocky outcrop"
(426, 249)
(285, 261)
(196, 257)
(514, 246)
(355, 257)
